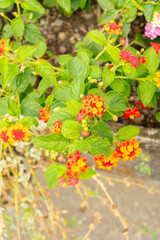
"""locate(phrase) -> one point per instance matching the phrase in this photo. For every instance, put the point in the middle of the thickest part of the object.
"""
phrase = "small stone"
(58, 22)
(77, 36)
(83, 29)
(50, 36)
(62, 36)
(62, 49)
(72, 40)
(88, 16)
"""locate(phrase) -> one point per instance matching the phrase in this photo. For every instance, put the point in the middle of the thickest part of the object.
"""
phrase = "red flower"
(131, 113)
(123, 41)
(141, 105)
(125, 55)
(134, 61)
(142, 60)
(85, 134)
(155, 46)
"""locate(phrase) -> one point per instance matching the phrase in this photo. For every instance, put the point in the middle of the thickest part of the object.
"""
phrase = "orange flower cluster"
(44, 114)
(107, 163)
(56, 127)
(14, 134)
(157, 79)
(76, 164)
(131, 113)
(2, 46)
(92, 106)
(112, 27)
(129, 149)
(125, 150)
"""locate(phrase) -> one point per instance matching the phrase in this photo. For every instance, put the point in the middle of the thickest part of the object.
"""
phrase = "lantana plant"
(77, 99)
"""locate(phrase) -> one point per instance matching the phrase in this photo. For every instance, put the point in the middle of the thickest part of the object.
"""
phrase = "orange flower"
(107, 162)
(92, 106)
(112, 27)
(131, 113)
(128, 149)
(76, 164)
(56, 128)
(157, 79)
(17, 133)
(44, 114)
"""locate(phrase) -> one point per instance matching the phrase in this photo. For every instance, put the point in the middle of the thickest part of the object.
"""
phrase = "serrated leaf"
(97, 36)
(29, 121)
(62, 114)
(65, 4)
(73, 106)
(71, 129)
(147, 90)
(17, 27)
(41, 48)
(157, 116)
(33, 5)
(77, 68)
(103, 130)
(32, 33)
(82, 146)
(99, 146)
(54, 141)
(108, 77)
(3, 104)
(24, 52)
(126, 133)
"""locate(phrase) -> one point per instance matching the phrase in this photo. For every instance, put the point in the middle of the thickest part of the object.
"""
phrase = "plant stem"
(104, 49)
(18, 8)
(57, 69)
(138, 79)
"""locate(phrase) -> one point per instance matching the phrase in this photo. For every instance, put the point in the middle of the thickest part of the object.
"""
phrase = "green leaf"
(114, 52)
(29, 121)
(129, 71)
(118, 102)
(3, 104)
(9, 74)
(33, 5)
(24, 52)
(35, 15)
(77, 88)
(107, 16)
(15, 45)
(63, 59)
(45, 70)
(148, 11)
(108, 77)
(139, 39)
(54, 141)
(7, 31)
(82, 146)
(13, 108)
(103, 130)
(5, 3)
(30, 107)
(71, 129)
(21, 81)
(32, 33)
(95, 72)
(41, 48)
(97, 36)
(147, 90)
(106, 4)
(49, 3)
(117, 85)
(99, 146)
(61, 92)
(65, 4)
(53, 172)
(73, 106)
(77, 68)
(43, 86)
(88, 174)
(152, 61)
(17, 27)
(126, 133)
(157, 115)
(62, 114)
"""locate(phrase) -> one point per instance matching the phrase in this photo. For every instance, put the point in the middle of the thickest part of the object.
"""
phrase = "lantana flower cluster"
(140, 104)
(131, 113)
(56, 127)
(126, 150)
(75, 165)
(152, 30)
(155, 46)
(15, 133)
(44, 114)
(157, 79)
(2, 46)
(113, 27)
(127, 56)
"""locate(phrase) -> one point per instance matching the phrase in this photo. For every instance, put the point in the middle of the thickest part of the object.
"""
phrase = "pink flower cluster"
(152, 30)
(127, 56)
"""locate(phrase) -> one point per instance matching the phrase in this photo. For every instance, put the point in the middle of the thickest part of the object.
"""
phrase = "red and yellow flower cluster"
(107, 163)
(127, 56)
(14, 134)
(112, 27)
(44, 114)
(2, 46)
(92, 106)
(156, 47)
(157, 79)
(140, 104)
(75, 165)
(128, 149)
(131, 113)
(125, 150)
(56, 127)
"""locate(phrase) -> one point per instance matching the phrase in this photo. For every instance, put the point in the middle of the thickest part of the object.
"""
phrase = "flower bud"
(142, 50)
(101, 84)
(115, 118)
(34, 73)
(82, 96)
